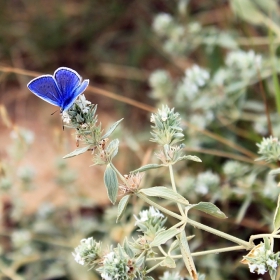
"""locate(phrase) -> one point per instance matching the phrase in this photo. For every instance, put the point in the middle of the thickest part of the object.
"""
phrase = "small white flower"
(168, 275)
(195, 77)
(21, 238)
(261, 269)
(143, 217)
(106, 276)
(78, 258)
(83, 103)
(272, 263)
(244, 60)
(152, 119)
(109, 257)
(155, 212)
(162, 22)
(252, 267)
(163, 116)
(65, 117)
(145, 214)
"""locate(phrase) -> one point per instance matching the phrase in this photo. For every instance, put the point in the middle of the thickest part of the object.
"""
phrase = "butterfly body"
(61, 89)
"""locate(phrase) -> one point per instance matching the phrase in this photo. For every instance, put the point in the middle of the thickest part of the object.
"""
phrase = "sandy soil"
(50, 144)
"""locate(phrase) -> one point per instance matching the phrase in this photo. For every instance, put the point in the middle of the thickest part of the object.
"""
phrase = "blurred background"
(48, 204)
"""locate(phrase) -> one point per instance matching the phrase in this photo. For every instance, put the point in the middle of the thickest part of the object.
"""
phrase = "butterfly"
(61, 89)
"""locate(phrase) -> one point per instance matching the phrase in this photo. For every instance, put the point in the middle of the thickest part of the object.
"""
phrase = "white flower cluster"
(109, 258)
(21, 238)
(244, 60)
(87, 252)
(195, 78)
(117, 266)
(234, 168)
(145, 215)
(269, 149)
(171, 276)
(65, 117)
(207, 181)
(260, 259)
(83, 103)
(162, 22)
(161, 83)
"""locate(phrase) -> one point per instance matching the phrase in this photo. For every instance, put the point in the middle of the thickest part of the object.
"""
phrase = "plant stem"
(140, 256)
(215, 251)
(152, 268)
(253, 237)
(245, 244)
(162, 209)
(206, 252)
(175, 189)
(162, 251)
(118, 172)
(177, 225)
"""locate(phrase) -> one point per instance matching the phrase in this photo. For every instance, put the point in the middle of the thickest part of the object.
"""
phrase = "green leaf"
(186, 254)
(122, 205)
(112, 148)
(127, 248)
(174, 245)
(111, 129)
(272, 273)
(77, 152)
(146, 167)
(209, 208)
(274, 171)
(148, 278)
(166, 193)
(168, 262)
(111, 183)
(276, 219)
(247, 10)
(140, 261)
(164, 236)
(189, 157)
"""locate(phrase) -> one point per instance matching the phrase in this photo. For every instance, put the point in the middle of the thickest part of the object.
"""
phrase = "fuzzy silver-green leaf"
(209, 208)
(111, 183)
(165, 193)
(77, 152)
(164, 236)
(122, 206)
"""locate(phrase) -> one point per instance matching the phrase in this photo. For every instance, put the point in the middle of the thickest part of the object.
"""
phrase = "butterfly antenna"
(53, 113)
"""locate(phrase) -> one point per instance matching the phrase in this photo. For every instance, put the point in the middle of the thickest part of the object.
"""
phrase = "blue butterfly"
(61, 89)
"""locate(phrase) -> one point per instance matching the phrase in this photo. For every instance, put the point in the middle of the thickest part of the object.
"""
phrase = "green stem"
(253, 237)
(162, 251)
(175, 189)
(177, 225)
(162, 209)
(226, 249)
(246, 245)
(141, 255)
(215, 251)
(115, 169)
(274, 72)
(152, 268)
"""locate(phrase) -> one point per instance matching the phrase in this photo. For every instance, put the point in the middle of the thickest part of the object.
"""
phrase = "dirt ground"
(50, 144)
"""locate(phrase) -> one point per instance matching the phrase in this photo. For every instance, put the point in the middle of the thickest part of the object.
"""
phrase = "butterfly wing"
(79, 90)
(69, 83)
(46, 88)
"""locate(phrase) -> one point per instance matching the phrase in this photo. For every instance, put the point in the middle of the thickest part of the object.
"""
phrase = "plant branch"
(162, 209)
(174, 188)
(245, 244)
